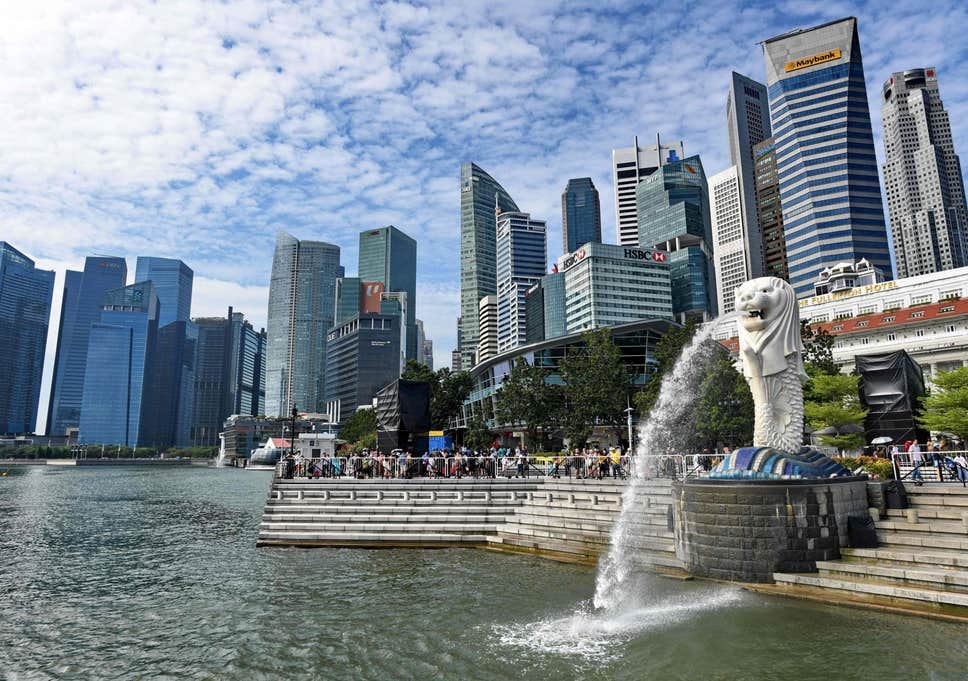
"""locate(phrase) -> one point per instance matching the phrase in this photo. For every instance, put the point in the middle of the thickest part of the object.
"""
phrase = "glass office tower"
(389, 256)
(229, 374)
(673, 216)
(581, 214)
(522, 246)
(173, 286)
(80, 308)
(118, 402)
(302, 298)
(829, 187)
(25, 297)
(480, 196)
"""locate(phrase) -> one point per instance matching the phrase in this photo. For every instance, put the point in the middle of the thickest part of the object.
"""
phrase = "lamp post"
(628, 420)
(292, 431)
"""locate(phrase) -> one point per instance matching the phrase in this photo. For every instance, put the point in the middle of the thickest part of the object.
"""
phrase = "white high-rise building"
(748, 124)
(487, 319)
(630, 165)
(730, 249)
(922, 175)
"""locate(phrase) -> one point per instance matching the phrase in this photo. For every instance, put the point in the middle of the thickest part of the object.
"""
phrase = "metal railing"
(933, 466)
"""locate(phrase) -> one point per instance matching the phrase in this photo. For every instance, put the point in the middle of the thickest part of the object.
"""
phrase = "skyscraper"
(545, 308)
(829, 187)
(80, 308)
(479, 194)
(747, 124)
(522, 247)
(362, 356)
(302, 295)
(25, 297)
(428, 353)
(229, 374)
(673, 216)
(769, 211)
(730, 248)
(922, 176)
(172, 385)
(119, 403)
(173, 285)
(487, 341)
(630, 165)
(581, 214)
(389, 256)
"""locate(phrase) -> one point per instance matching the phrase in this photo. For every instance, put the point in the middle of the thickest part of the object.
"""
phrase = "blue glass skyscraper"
(581, 214)
(673, 216)
(25, 297)
(173, 284)
(829, 187)
(119, 402)
(80, 308)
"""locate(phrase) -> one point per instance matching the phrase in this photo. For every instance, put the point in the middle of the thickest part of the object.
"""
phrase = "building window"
(949, 295)
(862, 324)
(919, 333)
(892, 305)
(917, 315)
(842, 314)
(837, 327)
(888, 320)
(947, 308)
(865, 341)
(950, 328)
(892, 336)
(868, 309)
(920, 300)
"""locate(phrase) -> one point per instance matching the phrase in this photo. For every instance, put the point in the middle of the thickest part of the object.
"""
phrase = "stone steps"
(939, 527)
(365, 526)
(950, 513)
(907, 556)
(931, 578)
(395, 509)
(927, 540)
(383, 518)
(863, 589)
(368, 540)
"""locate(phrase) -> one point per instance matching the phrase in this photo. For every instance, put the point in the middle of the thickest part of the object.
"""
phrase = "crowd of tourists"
(509, 462)
(934, 453)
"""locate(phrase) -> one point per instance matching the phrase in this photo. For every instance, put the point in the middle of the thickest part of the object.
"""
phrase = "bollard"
(912, 515)
(433, 496)
(278, 495)
(458, 495)
(487, 495)
(379, 495)
(352, 495)
(964, 519)
(299, 495)
(406, 495)
(529, 496)
(551, 497)
(571, 498)
(875, 513)
(325, 495)
(594, 500)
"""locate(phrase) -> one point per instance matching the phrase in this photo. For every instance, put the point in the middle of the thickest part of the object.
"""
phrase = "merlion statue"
(771, 354)
(771, 360)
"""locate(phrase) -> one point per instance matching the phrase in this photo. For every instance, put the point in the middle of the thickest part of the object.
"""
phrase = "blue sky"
(197, 129)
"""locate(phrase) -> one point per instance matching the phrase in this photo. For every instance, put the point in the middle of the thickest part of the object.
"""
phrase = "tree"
(832, 401)
(448, 390)
(725, 411)
(667, 351)
(360, 427)
(477, 436)
(818, 347)
(597, 385)
(946, 408)
(525, 398)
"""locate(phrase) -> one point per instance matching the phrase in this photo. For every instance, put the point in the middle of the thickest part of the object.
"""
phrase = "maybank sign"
(812, 60)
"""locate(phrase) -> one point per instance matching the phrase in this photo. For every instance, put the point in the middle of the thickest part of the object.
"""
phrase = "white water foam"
(593, 634)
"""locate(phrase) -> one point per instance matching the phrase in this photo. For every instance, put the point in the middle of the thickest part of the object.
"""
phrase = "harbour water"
(153, 574)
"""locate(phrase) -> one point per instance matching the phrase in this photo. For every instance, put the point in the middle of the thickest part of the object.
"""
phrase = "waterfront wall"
(747, 530)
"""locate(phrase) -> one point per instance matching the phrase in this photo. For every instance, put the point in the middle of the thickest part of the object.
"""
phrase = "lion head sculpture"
(769, 327)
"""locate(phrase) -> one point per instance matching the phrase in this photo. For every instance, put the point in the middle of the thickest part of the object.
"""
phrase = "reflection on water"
(148, 573)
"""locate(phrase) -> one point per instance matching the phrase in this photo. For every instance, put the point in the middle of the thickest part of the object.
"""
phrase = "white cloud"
(196, 129)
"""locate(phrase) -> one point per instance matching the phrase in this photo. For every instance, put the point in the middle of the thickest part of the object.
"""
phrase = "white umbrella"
(882, 440)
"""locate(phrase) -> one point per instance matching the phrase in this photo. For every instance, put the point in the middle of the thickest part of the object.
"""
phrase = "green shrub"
(881, 469)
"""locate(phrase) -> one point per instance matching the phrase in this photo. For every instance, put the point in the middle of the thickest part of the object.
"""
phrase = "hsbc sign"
(575, 257)
(639, 254)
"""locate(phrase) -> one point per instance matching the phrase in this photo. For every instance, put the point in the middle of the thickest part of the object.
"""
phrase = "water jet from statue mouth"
(758, 314)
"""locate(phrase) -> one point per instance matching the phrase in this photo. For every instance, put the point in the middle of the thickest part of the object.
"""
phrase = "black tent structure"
(891, 389)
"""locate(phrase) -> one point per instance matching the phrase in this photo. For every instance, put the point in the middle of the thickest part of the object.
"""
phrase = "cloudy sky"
(196, 129)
